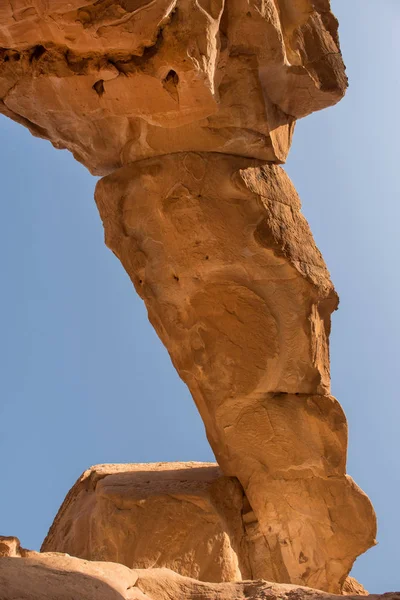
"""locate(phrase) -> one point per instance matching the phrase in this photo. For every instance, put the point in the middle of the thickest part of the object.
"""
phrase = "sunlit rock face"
(116, 81)
(238, 292)
(52, 576)
(187, 517)
(186, 107)
(183, 516)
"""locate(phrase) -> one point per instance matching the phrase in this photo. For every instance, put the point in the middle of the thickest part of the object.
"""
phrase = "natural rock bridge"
(187, 107)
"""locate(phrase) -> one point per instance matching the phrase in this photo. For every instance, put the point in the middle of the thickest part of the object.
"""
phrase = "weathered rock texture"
(115, 81)
(187, 517)
(61, 577)
(184, 516)
(180, 102)
(10, 546)
(352, 586)
(240, 296)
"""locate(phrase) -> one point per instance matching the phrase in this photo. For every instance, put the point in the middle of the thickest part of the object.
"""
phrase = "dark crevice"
(81, 63)
(170, 84)
(172, 77)
(99, 87)
(7, 55)
(37, 52)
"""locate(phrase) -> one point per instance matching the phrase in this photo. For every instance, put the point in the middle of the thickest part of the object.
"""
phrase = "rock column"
(239, 294)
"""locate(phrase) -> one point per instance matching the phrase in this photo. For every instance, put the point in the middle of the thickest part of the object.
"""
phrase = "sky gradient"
(84, 378)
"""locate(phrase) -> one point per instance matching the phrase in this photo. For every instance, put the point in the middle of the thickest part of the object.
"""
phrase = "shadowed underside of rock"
(185, 105)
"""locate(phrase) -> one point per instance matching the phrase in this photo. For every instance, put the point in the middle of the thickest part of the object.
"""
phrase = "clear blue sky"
(85, 380)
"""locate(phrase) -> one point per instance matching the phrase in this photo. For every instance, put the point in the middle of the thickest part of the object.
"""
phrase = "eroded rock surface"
(60, 577)
(181, 102)
(238, 292)
(187, 517)
(352, 586)
(10, 546)
(115, 81)
(184, 516)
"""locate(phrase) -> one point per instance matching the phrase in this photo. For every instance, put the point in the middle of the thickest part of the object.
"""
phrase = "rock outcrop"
(183, 516)
(187, 517)
(352, 586)
(10, 547)
(60, 577)
(187, 106)
(238, 292)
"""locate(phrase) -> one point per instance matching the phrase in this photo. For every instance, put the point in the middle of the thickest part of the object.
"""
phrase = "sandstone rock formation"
(186, 105)
(184, 516)
(61, 577)
(10, 546)
(352, 586)
(239, 294)
(115, 81)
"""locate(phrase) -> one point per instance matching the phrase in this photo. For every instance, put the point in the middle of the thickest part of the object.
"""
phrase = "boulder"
(184, 516)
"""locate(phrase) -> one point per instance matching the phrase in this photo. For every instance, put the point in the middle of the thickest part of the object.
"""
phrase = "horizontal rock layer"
(115, 81)
(61, 577)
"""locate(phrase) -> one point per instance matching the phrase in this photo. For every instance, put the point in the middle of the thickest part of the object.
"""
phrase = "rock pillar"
(187, 106)
(235, 287)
